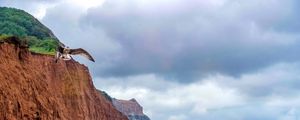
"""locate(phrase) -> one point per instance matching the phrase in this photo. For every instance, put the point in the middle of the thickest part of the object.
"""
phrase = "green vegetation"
(19, 23)
(3, 37)
(15, 22)
(46, 46)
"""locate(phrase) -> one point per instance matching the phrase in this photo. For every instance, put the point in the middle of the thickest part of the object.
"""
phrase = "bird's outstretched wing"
(80, 51)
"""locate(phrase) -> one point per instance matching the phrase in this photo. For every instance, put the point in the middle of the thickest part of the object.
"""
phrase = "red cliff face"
(33, 86)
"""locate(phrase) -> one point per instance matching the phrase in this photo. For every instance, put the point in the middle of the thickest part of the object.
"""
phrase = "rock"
(131, 108)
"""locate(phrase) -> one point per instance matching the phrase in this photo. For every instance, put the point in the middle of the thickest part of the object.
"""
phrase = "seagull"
(63, 52)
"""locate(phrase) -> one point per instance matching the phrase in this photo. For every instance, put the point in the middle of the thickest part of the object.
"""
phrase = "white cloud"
(283, 101)
(39, 8)
(278, 79)
(194, 98)
(85, 4)
(178, 117)
(269, 89)
(290, 115)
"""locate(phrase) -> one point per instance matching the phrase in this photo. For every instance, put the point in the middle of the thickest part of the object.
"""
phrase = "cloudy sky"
(187, 59)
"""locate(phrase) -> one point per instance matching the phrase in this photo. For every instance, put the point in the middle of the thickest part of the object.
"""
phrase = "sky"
(186, 59)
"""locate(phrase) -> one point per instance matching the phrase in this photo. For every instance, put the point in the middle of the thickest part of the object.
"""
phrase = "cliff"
(131, 108)
(33, 86)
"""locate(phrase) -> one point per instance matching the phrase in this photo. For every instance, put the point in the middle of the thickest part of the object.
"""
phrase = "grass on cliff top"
(41, 51)
(2, 37)
(46, 46)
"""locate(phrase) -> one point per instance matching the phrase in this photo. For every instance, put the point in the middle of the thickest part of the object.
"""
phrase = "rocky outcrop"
(34, 87)
(128, 107)
(131, 108)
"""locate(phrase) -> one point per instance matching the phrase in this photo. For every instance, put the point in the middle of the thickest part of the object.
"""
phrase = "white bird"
(65, 53)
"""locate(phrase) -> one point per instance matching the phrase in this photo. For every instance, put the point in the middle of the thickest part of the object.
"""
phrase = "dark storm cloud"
(189, 38)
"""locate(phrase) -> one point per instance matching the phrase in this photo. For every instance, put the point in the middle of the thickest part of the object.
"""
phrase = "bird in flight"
(65, 53)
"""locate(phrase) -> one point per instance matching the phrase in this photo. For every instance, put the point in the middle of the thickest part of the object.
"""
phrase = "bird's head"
(66, 49)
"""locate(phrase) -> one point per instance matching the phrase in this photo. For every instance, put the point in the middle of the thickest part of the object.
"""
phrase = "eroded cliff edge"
(33, 86)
